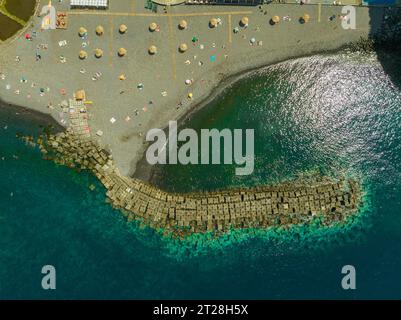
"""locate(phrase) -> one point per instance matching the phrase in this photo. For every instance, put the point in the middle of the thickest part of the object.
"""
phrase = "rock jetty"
(285, 204)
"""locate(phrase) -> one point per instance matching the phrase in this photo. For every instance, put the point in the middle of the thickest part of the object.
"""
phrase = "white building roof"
(90, 3)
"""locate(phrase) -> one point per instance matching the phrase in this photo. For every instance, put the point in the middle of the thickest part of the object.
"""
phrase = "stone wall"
(284, 204)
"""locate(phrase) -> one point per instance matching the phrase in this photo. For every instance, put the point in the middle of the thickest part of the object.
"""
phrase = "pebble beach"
(130, 94)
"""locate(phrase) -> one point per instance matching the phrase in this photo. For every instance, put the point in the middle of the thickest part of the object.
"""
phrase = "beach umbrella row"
(100, 30)
(122, 51)
(183, 24)
(213, 23)
(153, 26)
(276, 19)
(99, 53)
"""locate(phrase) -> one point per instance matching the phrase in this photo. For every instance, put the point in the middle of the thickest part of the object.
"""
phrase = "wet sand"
(36, 118)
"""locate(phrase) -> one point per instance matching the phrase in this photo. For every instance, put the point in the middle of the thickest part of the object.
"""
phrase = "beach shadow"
(386, 33)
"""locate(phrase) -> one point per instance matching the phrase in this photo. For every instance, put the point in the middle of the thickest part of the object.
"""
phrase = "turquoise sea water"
(330, 113)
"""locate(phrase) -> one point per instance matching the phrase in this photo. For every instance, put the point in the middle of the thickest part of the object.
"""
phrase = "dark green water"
(329, 113)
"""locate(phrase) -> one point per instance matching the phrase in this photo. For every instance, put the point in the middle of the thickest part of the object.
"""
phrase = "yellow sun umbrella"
(276, 19)
(122, 77)
(305, 17)
(152, 50)
(123, 28)
(183, 25)
(153, 26)
(82, 55)
(122, 52)
(80, 95)
(98, 53)
(213, 23)
(183, 47)
(99, 30)
(244, 21)
(82, 31)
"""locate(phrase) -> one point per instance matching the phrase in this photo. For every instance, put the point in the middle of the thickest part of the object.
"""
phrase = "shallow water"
(329, 113)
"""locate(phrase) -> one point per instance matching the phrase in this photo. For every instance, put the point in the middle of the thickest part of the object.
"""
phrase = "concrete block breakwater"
(284, 204)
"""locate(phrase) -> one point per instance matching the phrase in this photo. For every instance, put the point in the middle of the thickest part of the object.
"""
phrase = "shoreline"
(148, 173)
(235, 56)
(33, 116)
(118, 100)
(144, 171)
